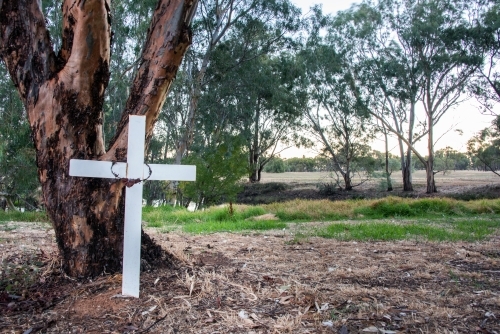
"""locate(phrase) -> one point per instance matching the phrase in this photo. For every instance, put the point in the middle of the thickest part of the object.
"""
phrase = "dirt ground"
(258, 283)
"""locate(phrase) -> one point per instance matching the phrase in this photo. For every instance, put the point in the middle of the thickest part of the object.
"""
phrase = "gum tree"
(63, 95)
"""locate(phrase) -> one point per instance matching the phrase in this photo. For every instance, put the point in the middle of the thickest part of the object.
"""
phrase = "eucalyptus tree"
(257, 101)
(447, 63)
(389, 72)
(486, 86)
(422, 56)
(63, 95)
(484, 147)
(337, 115)
(217, 22)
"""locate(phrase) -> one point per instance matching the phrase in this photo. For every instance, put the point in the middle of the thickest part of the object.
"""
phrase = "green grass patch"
(214, 219)
(441, 230)
(232, 226)
(436, 219)
(168, 215)
(27, 216)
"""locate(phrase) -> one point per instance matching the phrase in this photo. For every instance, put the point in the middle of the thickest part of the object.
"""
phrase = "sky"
(466, 117)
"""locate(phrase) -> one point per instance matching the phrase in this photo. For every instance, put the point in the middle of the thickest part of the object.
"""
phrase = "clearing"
(259, 283)
(269, 282)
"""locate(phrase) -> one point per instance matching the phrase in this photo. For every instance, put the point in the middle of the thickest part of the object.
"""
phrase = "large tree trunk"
(64, 96)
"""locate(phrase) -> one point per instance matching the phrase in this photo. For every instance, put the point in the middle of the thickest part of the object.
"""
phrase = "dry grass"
(231, 283)
(454, 178)
(312, 209)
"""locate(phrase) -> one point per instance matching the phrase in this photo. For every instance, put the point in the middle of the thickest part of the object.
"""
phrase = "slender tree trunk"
(64, 96)
(255, 151)
(259, 173)
(429, 167)
(407, 169)
(187, 136)
(347, 176)
(347, 182)
(387, 171)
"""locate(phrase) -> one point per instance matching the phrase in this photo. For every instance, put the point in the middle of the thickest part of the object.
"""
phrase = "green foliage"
(302, 164)
(486, 35)
(484, 148)
(257, 97)
(18, 173)
(275, 165)
(448, 159)
(219, 169)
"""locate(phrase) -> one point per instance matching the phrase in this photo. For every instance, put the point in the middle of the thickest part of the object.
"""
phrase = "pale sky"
(466, 117)
(329, 6)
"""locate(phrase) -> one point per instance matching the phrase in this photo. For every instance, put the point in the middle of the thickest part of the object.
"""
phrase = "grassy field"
(452, 178)
(390, 218)
(385, 265)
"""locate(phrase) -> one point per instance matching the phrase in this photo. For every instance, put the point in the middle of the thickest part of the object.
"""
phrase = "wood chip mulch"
(258, 283)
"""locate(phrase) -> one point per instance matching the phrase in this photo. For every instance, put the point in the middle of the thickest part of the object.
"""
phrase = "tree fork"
(63, 96)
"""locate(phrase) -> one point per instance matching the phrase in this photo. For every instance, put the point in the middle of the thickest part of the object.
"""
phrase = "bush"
(327, 188)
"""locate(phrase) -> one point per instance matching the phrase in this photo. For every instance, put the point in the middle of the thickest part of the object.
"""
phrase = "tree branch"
(25, 47)
(169, 37)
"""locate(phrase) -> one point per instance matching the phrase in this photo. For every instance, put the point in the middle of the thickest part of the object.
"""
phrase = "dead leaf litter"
(258, 283)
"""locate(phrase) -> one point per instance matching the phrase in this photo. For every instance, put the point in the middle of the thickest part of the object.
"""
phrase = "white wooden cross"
(133, 169)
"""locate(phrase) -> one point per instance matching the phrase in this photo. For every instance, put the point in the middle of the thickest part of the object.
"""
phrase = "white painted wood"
(94, 168)
(134, 168)
(171, 172)
(133, 207)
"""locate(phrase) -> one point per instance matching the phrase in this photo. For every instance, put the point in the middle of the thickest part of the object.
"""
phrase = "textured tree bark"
(63, 95)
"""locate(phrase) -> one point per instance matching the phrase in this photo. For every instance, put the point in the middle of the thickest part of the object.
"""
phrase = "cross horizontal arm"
(94, 168)
(171, 172)
(105, 169)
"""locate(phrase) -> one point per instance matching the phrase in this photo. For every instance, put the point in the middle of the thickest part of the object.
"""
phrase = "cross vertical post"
(133, 205)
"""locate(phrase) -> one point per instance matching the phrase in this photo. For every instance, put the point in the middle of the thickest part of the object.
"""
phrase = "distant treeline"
(445, 160)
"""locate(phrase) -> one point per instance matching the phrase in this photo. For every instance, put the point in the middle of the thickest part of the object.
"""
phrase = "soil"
(271, 282)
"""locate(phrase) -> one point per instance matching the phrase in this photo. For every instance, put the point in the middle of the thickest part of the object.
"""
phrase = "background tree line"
(260, 77)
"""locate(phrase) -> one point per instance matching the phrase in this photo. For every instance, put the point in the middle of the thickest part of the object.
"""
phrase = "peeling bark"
(64, 97)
